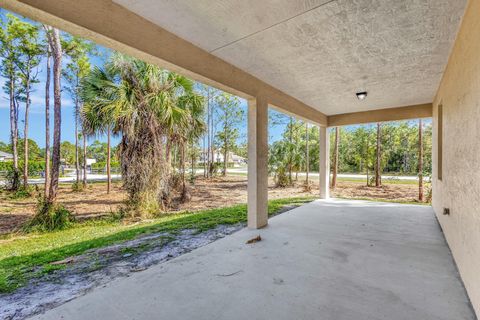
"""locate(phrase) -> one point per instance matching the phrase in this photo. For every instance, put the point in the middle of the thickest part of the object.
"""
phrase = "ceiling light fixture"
(362, 95)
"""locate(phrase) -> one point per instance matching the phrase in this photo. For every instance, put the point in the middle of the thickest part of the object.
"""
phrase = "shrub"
(34, 167)
(22, 192)
(78, 186)
(12, 179)
(49, 217)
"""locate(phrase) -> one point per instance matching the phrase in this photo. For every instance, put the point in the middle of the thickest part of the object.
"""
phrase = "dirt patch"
(359, 190)
(206, 194)
(90, 203)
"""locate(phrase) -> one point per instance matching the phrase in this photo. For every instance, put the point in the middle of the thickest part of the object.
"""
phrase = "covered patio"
(330, 259)
(333, 63)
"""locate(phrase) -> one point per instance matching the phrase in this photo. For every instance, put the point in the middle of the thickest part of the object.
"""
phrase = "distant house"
(231, 158)
(5, 156)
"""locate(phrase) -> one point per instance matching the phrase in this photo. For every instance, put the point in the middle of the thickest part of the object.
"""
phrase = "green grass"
(26, 257)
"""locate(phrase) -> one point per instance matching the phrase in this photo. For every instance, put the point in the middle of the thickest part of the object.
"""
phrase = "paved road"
(341, 175)
(103, 177)
(68, 179)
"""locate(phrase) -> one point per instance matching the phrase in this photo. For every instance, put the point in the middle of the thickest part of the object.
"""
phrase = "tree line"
(397, 148)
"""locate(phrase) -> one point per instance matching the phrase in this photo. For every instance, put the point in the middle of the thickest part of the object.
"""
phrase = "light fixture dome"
(362, 95)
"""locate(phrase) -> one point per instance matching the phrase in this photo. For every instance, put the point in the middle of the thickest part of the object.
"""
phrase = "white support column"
(257, 163)
(324, 160)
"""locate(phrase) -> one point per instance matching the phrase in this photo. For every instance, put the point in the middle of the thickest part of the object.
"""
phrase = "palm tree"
(144, 103)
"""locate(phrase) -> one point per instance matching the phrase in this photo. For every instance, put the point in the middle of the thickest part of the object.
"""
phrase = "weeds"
(49, 217)
(22, 193)
(78, 186)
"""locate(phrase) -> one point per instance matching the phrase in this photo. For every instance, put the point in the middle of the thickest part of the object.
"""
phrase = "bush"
(101, 165)
(49, 217)
(34, 167)
(12, 179)
(22, 192)
(78, 186)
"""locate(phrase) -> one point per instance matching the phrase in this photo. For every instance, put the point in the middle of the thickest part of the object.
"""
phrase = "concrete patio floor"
(330, 259)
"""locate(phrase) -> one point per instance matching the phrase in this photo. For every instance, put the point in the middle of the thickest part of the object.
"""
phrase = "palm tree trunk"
(47, 125)
(420, 160)
(182, 170)
(193, 161)
(77, 160)
(25, 133)
(168, 156)
(307, 154)
(109, 178)
(335, 159)
(57, 66)
(84, 159)
(378, 181)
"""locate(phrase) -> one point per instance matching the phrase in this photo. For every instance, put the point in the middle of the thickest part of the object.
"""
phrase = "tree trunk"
(185, 195)
(204, 158)
(77, 159)
(225, 151)
(209, 143)
(420, 160)
(54, 39)
(212, 148)
(290, 160)
(25, 132)
(84, 159)
(378, 181)
(47, 125)
(14, 133)
(193, 162)
(109, 177)
(307, 155)
(335, 159)
(367, 162)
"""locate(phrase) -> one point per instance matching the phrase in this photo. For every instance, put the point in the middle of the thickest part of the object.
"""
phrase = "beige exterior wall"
(459, 188)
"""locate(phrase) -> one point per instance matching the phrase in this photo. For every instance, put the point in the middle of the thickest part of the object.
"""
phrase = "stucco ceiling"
(323, 51)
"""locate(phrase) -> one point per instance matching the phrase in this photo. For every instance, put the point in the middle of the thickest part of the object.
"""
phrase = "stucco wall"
(459, 189)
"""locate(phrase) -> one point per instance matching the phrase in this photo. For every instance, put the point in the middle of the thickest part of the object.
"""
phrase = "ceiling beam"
(113, 26)
(381, 115)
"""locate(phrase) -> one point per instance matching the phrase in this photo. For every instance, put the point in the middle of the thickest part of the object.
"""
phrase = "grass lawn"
(23, 257)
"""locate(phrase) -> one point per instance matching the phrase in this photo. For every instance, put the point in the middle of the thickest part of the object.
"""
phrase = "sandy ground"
(218, 192)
